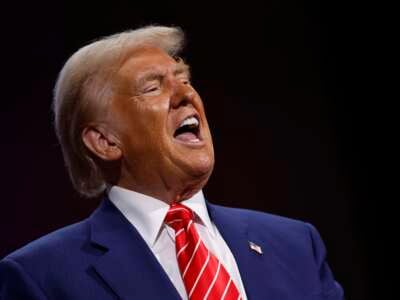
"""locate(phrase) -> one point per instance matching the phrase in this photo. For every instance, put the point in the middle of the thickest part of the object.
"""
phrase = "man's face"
(160, 121)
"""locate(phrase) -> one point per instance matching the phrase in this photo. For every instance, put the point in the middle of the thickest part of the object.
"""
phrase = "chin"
(193, 185)
(193, 176)
(202, 168)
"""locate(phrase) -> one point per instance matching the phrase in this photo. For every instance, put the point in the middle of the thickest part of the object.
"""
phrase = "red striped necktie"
(203, 274)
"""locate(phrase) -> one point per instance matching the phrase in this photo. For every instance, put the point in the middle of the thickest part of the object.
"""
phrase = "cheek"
(153, 114)
(141, 123)
(146, 124)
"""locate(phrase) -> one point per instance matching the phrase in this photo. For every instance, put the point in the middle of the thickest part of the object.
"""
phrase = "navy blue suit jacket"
(104, 257)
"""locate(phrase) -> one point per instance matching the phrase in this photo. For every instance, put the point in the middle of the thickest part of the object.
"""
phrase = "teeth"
(190, 121)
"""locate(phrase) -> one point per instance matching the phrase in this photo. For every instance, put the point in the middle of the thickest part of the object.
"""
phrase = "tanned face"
(160, 126)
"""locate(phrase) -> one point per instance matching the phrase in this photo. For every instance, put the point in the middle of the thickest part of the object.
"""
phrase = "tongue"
(186, 137)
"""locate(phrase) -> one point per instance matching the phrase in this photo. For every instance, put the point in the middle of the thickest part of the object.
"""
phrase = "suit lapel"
(253, 266)
(264, 276)
(127, 266)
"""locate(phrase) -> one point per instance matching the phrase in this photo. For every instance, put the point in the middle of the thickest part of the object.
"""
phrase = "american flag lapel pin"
(255, 248)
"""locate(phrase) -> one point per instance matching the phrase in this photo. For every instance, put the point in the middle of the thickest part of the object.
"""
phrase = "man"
(132, 127)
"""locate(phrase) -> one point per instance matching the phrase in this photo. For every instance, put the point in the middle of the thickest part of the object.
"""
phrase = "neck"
(167, 194)
(171, 187)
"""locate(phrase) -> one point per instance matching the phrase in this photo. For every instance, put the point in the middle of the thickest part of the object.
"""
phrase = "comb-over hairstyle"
(82, 89)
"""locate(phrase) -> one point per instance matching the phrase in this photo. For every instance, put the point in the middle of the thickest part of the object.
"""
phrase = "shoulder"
(293, 246)
(288, 237)
(263, 220)
(53, 247)
(47, 261)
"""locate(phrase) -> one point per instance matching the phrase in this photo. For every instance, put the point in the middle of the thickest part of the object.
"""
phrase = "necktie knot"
(178, 216)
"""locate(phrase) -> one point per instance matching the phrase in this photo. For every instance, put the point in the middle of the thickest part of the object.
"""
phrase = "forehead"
(145, 59)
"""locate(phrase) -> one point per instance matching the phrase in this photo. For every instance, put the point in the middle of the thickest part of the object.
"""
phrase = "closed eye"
(151, 89)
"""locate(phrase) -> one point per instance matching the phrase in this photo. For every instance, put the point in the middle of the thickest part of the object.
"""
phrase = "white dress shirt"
(147, 214)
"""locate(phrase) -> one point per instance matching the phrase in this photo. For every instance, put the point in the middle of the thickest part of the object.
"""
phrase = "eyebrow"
(155, 74)
(182, 68)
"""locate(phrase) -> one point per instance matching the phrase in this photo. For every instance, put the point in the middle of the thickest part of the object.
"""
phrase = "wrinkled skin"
(152, 95)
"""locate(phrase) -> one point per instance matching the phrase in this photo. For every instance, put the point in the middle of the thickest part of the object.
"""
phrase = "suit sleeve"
(330, 289)
(16, 283)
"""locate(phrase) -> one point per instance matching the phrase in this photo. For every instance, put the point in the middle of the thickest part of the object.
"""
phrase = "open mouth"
(189, 130)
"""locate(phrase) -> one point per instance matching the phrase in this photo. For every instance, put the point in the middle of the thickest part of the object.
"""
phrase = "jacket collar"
(265, 273)
(125, 257)
(233, 224)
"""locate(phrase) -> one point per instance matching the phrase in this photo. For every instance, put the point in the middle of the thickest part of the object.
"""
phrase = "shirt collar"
(198, 205)
(147, 214)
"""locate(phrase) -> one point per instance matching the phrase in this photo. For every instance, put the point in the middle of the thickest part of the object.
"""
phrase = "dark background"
(289, 94)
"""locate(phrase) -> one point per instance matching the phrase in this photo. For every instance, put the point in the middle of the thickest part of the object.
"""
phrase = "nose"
(182, 94)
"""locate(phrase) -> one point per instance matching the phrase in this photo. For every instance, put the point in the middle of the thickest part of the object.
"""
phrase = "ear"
(102, 144)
